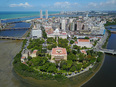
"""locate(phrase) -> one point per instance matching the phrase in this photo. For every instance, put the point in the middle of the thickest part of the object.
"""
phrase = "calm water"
(13, 33)
(19, 14)
(106, 77)
(16, 32)
(21, 25)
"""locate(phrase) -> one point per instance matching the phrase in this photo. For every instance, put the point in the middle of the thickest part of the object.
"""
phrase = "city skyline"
(59, 5)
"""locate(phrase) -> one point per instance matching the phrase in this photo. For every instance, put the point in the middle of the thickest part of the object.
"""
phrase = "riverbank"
(106, 41)
(75, 81)
(111, 23)
(95, 70)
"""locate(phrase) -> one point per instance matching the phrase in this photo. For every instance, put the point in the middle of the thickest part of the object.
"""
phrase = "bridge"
(12, 38)
(109, 51)
(112, 27)
(113, 32)
(15, 28)
(15, 22)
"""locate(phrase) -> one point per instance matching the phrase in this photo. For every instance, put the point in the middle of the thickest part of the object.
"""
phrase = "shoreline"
(91, 74)
(97, 70)
(29, 16)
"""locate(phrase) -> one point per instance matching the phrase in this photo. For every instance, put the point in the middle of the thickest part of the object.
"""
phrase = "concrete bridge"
(15, 22)
(109, 51)
(113, 32)
(15, 28)
(12, 38)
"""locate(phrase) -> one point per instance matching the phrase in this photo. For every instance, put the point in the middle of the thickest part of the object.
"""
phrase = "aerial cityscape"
(62, 44)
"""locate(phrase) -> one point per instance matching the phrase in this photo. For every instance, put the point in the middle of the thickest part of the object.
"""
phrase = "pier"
(12, 38)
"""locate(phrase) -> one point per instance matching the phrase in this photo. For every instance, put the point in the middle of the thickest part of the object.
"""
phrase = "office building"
(41, 15)
(63, 24)
(46, 14)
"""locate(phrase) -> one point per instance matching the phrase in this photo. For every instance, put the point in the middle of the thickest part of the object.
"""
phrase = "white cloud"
(62, 4)
(108, 5)
(92, 4)
(65, 5)
(26, 4)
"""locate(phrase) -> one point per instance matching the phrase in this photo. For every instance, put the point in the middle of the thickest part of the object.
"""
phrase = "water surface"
(106, 77)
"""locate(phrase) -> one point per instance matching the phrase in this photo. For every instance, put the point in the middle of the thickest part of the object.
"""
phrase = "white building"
(34, 53)
(36, 33)
(56, 33)
(23, 59)
(79, 25)
(84, 42)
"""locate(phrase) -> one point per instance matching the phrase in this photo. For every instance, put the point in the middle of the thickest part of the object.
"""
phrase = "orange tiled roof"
(83, 51)
(35, 51)
(62, 51)
(83, 40)
(24, 62)
(76, 42)
(23, 57)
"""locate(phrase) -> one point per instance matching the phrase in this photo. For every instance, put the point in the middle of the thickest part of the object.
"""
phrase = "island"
(59, 48)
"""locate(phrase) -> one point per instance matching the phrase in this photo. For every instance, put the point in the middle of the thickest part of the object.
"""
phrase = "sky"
(57, 5)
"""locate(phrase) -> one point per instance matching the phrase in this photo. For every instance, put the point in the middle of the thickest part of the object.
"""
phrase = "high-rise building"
(41, 15)
(63, 25)
(0, 21)
(79, 25)
(0, 25)
(72, 26)
(46, 14)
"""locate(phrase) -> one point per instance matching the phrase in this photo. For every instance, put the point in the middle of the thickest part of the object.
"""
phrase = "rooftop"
(83, 51)
(83, 40)
(35, 51)
(59, 51)
(23, 57)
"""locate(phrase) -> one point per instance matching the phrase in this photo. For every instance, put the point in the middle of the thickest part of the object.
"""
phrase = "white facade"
(34, 54)
(62, 35)
(36, 33)
(86, 44)
(83, 43)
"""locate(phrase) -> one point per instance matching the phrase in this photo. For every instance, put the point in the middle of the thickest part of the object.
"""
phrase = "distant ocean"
(20, 14)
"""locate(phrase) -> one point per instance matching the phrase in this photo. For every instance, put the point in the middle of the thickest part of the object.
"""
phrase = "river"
(106, 76)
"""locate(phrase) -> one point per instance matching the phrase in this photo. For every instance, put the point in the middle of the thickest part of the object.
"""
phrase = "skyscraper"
(41, 15)
(0, 25)
(0, 21)
(63, 24)
(79, 25)
(46, 14)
